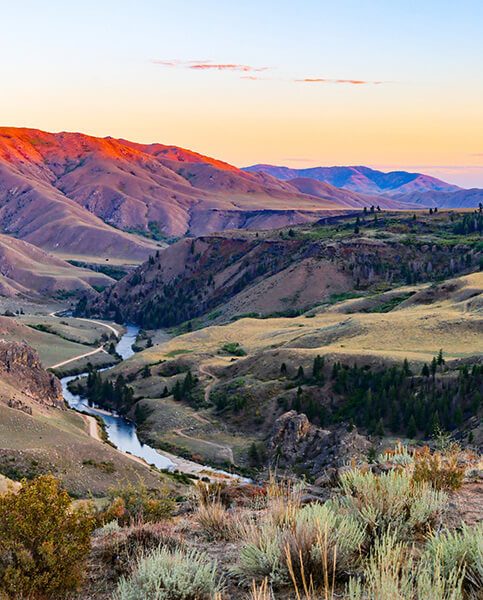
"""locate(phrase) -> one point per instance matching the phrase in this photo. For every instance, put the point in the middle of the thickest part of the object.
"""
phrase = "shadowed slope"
(28, 270)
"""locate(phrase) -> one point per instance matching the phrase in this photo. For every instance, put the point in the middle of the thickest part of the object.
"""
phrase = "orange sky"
(258, 82)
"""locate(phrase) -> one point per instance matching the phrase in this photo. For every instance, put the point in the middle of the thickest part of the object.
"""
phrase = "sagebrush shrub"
(315, 544)
(322, 543)
(462, 549)
(165, 574)
(391, 573)
(262, 555)
(44, 540)
(390, 501)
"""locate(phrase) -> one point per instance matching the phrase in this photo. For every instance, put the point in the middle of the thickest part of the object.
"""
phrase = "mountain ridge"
(362, 179)
(75, 195)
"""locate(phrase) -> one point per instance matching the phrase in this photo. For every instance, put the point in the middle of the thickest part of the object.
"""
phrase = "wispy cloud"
(251, 72)
(207, 65)
(349, 81)
(254, 78)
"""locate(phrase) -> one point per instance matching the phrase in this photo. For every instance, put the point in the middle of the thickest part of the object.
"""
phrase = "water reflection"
(121, 432)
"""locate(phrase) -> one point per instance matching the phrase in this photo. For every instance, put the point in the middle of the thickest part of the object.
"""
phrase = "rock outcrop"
(22, 371)
(295, 441)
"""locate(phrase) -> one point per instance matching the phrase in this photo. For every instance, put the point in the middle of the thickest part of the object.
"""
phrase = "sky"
(393, 84)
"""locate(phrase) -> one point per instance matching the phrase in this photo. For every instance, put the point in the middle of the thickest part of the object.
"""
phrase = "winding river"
(120, 432)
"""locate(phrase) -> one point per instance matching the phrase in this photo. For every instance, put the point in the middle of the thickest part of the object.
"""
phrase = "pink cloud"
(227, 67)
(349, 81)
(254, 78)
(206, 65)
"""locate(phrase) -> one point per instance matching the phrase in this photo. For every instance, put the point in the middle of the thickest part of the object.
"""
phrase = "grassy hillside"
(246, 373)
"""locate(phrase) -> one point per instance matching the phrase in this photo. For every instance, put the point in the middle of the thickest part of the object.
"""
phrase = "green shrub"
(300, 547)
(391, 574)
(262, 556)
(171, 575)
(462, 549)
(391, 501)
(44, 541)
(322, 543)
(233, 348)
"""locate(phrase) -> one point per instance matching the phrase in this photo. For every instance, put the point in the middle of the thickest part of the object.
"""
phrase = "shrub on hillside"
(314, 545)
(165, 574)
(234, 349)
(391, 501)
(442, 470)
(116, 550)
(136, 504)
(391, 574)
(322, 544)
(462, 549)
(262, 555)
(44, 540)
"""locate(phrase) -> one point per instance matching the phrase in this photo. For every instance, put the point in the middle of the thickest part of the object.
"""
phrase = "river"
(120, 432)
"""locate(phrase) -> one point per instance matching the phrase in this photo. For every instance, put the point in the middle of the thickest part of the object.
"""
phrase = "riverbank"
(122, 434)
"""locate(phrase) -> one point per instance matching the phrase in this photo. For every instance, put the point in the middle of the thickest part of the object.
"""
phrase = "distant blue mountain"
(362, 179)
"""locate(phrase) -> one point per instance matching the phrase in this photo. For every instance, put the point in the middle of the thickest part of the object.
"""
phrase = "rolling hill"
(30, 271)
(471, 198)
(81, 196)
(406, 187)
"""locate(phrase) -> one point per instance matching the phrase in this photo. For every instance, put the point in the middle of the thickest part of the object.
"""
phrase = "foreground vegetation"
(381, 533)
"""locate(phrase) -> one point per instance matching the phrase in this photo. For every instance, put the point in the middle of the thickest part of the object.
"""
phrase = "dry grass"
(262, 591)
(216, 522)
(416, 331)
(444, 471)
(284, 499)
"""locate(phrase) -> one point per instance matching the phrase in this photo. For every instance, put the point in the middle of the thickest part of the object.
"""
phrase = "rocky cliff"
(295, 441)
(24, 379)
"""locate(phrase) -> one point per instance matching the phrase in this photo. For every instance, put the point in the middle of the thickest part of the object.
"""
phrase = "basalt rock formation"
(295, 441)
(23, 378)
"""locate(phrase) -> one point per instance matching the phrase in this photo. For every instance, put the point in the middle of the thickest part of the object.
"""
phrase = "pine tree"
(176, 391)
(435, 422)
(434, 366)
(253, 455)
(317, 369)
(283, 369)
(458, 416)
(380, 428)
(406, 369)
(146, 372)
(412, 429)
(297, 403)
(425, 370)
(300, 372)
